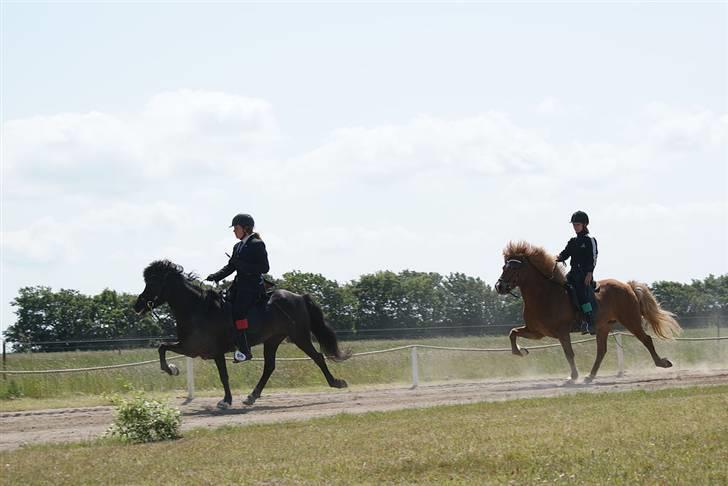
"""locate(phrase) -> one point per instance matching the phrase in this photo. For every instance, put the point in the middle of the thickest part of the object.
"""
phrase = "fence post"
(190, 379)
(620, 354)
(415, 370)
(5, 359)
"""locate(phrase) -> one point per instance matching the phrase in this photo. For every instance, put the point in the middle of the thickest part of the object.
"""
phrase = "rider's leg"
(582, 293)
(242, 304)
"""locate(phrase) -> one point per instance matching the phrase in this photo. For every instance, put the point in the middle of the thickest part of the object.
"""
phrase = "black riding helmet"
(243, 220)
(580, 217)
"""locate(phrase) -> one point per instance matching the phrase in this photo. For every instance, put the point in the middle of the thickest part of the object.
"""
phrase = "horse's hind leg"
(635, 327)
(222, 371)
(305, 344)
(602, 337)
(269, 353)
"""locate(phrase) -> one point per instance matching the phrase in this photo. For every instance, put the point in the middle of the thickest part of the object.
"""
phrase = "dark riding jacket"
(250, 261)
(583, 251)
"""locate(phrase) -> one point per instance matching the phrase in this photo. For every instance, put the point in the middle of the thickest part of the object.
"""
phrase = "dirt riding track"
(75, 424)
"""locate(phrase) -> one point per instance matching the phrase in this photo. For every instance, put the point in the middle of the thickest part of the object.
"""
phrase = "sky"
(362, 137)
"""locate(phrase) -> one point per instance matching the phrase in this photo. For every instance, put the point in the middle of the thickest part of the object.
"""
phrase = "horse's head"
(156, 277)
(510, 276)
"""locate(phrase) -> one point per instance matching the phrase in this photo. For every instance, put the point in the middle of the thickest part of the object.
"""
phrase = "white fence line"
(76, 370)
(413, 358)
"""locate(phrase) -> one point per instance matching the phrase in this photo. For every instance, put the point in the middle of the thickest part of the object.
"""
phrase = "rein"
(151, 304)
(549, 278)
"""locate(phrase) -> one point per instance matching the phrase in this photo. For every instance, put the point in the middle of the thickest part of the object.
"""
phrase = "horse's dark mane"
(537, 256)
(168, 269)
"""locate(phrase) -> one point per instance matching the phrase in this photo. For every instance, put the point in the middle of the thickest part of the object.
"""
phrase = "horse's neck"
(539, 289)
(182, 301)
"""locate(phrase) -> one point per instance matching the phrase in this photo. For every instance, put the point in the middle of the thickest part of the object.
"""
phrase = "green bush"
(11, 391)
(139, 419)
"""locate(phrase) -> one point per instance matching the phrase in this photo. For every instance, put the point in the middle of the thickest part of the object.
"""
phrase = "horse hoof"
(173, 370)
(524, 352)
(249, 400)
(570, 382)
(588, 379)
(666, 363)
(339, 384)
(223, 405)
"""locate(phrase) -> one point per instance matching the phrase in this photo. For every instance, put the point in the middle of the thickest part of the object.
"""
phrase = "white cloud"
(69, 240)
(368, 198)
(192, 134)
(484, 145)
(548, 105)
(686, 130)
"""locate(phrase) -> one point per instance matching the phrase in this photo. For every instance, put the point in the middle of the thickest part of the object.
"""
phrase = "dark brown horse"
(548, 311)
(205, 328)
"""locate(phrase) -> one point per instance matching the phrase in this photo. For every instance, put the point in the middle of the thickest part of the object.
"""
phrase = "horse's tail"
(663, 322)
(323, 332)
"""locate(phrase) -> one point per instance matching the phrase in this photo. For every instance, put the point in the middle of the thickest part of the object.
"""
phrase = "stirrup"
(239, 357)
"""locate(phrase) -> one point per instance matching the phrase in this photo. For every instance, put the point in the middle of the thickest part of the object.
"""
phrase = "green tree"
(378, 298)
(67, 315)
(337, 302)
(469, 301)
(408, 299)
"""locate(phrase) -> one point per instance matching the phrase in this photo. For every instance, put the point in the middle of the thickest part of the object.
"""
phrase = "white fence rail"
(413, 358)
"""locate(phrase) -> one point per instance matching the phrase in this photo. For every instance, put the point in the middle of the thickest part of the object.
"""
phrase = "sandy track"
(76, 424)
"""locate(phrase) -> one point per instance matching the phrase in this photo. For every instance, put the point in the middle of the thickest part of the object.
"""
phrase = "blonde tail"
(663, 322)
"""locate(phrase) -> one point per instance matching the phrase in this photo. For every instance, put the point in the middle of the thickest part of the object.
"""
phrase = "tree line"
(396, 303)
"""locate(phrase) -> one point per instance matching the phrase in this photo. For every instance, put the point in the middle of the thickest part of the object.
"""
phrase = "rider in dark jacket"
(583, 251)
(250, 261)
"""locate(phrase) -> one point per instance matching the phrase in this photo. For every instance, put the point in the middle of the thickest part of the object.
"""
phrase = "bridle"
(549, 278)
(153, 303)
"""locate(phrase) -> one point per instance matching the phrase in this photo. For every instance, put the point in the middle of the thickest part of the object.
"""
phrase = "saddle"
(571, 291)
(219, 300)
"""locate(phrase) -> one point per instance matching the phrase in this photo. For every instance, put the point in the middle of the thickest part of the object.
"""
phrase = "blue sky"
(362, 137)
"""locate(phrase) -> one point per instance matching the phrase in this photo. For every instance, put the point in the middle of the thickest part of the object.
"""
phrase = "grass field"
(677, 436)
(388, 368)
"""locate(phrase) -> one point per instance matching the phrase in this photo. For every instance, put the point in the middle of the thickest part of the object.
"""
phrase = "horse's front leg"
(170, 369)
(269, 354)
(227, 401)
(565, 341)
(524, 332)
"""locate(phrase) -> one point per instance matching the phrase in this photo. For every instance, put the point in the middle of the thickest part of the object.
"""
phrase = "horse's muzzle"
(141, 307)
(502, 287)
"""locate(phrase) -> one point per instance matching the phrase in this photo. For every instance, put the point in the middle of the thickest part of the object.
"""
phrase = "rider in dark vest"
(582, 249)
(250, 261)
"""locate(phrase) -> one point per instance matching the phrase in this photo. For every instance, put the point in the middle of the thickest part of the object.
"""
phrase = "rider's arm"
(591, 255)
(565, 253)
(224, 271)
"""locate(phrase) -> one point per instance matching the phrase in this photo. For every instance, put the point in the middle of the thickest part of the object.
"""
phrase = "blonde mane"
(537, 256)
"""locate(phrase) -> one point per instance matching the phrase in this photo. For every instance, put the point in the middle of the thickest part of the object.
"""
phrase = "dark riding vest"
(250, 261)
(583, 251)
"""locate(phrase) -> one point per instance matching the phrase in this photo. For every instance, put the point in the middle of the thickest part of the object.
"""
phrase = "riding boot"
(241, 341)
(587, 323)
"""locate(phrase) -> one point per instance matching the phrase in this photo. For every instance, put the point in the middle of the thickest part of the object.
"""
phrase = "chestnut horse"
(548, 310)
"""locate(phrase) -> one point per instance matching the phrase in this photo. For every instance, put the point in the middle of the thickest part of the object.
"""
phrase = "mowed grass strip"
(386, 368)
(675, 436)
